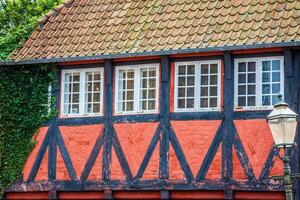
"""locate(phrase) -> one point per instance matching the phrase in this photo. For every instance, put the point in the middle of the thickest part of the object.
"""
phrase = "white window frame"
(137, 81)
(258, 88)
(197, 86)
(82, 72)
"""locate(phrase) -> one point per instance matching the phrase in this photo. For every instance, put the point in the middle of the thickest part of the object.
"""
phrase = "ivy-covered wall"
(23, 109)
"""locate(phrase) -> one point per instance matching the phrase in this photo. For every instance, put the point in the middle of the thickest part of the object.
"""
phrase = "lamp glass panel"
(277, 131)
(290, 125)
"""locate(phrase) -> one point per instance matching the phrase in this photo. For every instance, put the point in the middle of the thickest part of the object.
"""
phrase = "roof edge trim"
(151, 53)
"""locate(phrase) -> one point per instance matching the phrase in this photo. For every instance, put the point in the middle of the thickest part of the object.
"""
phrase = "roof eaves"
(151, 53)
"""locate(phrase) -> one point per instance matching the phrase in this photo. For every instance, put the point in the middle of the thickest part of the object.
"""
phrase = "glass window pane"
(181, 103)
(181, 81)
(181, 70)
(251, 89)
(275, 65)
(76, 77)
(75, 98)
(190, 103)
(213, 68)
(242, 78)
(181, 92)
(204, 69)
(241, 89)
(89, 87)
(97, 77)
(275, 88)
(129, 106)
(151, 94)
(204, 102)
(96, 97)
(204, 80)
(190, 80)
(144, 83)
(96, 108)
(266, 65)
(204, 91)
(130, 74)
(144, 105)
(89, 97)
(274, 99)
(97, 86)
(266, 100)
(190, 92)
(213, 102)
(251, 101)
(89, 76)
(266, 77)
(251, 78)
(241, 101)
(130, 84)
(266, 89)
(151, 105)
(251, 66)
(75, 87)
(152, 83)
(275, 76)
(75, 109)
(213, 79)
(191, 69)
(242, 67)
(130, 95)
(213, 91)
(152, 73)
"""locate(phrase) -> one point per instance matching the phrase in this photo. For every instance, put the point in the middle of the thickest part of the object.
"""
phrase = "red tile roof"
(121, 28)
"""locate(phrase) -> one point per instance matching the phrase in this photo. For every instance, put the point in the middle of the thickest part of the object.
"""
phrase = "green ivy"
(23, 109)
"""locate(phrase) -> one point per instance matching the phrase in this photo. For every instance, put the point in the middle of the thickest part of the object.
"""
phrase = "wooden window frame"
(197, 96)
(137, 88)
(82, 91)
(258, 89)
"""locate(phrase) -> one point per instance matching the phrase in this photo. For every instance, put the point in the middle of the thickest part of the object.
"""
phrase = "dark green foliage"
(18, 18)
(23, 109)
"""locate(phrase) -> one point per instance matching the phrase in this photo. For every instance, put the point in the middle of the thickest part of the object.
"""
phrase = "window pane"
(190, 103)
(266, 77)
(275, 88)
(97, 86)
(97, 77)
(190, 81)
(251, 66)
(241, 89)
(129, 106)
(251, 78)
(266, 65)
(213, 102)
(130, 95)
(213, 68)
(181, 103)
(204, 69)
(151, 94)
(151, 105)
(191, 69)
(204, 102)
(181, 92)
(275, 76)
(242, 67)
(181, 81)
(96, 97)
(251, 89)
(251, 101)
(181, 70)
(75, 87)
(274, 99)
(204, 80)
(213, 91)
(130, 74)
(152, 83)
(190, 92)
(96, 108)
(241, 101)
(75, 109)
(204, 91)
(266, 100)
(76, 77)
(213, 79)
(266, 89)
(242, 78)
(275, 65)
(75, 98)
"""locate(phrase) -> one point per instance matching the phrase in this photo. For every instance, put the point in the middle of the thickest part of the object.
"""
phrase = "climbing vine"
(24, 107)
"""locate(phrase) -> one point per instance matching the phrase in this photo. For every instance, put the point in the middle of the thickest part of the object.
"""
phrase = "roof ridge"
(42, 21)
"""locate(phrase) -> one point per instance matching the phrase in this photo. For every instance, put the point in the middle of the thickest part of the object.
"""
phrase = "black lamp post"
(283, 123)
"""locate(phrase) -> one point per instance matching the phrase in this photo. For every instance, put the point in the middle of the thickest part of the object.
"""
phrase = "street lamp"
(283, 123)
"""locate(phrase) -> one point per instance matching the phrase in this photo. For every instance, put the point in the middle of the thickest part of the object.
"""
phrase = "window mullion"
(197, 86)
(137, 79)
(82, 93)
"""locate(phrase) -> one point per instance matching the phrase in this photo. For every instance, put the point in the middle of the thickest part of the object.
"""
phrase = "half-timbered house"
(163, 99)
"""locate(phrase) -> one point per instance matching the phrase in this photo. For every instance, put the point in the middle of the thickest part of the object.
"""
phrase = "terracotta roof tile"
(99, 27)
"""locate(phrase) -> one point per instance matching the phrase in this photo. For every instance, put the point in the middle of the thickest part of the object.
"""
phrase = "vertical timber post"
(228, 133)
(107, 145)
(164, 119)
(296, 66)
